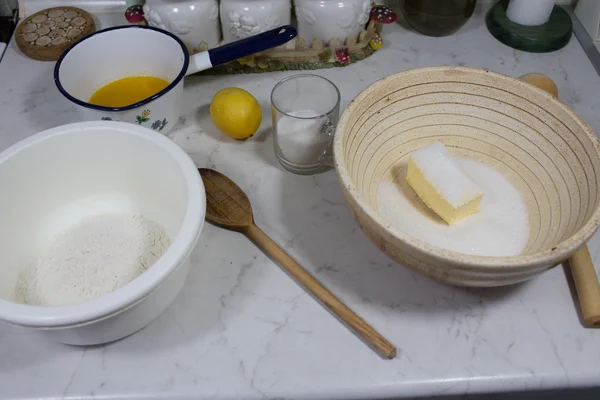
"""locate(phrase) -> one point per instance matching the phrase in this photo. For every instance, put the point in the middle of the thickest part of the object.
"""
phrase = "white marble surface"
(242, 329)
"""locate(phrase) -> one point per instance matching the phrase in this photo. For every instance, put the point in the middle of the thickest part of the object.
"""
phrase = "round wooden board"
(46, 34)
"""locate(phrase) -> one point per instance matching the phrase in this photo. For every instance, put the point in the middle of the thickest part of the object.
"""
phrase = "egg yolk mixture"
(127, 91)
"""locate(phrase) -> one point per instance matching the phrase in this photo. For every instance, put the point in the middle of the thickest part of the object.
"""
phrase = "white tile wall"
(6, 6)
(28, 7)
(479, 1)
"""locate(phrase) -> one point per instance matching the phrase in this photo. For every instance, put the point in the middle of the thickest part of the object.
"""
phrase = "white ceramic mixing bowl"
(58, 177)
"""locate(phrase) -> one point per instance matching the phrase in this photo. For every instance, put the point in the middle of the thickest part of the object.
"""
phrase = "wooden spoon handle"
(588, 288)
(353, 321)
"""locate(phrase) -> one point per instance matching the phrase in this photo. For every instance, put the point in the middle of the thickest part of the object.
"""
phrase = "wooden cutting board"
(46, 34)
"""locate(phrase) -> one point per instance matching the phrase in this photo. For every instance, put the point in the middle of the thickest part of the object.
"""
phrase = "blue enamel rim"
(61, 89)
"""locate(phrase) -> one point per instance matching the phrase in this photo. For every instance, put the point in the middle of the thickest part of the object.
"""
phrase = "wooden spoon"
(582, 268)
(228, 207)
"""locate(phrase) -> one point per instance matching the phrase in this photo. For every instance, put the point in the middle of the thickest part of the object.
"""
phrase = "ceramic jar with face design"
(325, 19)
(243, 18)
(196, 22)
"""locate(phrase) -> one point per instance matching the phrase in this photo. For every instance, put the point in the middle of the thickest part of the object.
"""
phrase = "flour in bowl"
(92, 258)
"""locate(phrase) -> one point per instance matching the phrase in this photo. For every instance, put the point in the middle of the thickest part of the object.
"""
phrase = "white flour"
(499, 228)
(92, 258)
(301, 139)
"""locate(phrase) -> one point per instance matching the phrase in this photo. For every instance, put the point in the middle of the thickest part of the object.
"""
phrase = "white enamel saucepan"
(134, 50)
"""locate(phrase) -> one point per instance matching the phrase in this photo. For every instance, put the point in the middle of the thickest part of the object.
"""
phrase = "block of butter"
(441, 184)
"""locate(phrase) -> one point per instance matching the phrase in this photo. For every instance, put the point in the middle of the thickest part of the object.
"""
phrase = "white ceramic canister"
(328, 19)
(243, 18)
(193, 21)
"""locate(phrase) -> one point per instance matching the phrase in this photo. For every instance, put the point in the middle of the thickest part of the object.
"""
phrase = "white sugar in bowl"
(57, 178)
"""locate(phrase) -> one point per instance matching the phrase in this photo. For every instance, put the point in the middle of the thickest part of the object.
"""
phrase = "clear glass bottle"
(437, 17)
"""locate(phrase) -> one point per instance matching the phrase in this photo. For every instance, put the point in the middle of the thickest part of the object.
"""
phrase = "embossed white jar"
(243, 18)
(328, 19)
(194, 21)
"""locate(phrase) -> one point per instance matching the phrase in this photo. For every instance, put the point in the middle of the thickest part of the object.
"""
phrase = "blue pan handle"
(252, 45)
(241, 48)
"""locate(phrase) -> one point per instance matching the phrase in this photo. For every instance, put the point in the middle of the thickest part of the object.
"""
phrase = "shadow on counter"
(571, 394)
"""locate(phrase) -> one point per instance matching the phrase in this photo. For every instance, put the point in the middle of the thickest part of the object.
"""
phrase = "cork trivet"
(46, 34)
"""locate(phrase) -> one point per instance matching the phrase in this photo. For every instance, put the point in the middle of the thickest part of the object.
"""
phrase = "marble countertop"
(242, 329)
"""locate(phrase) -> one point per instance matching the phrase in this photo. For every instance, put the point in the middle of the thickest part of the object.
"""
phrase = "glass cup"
(305, 110)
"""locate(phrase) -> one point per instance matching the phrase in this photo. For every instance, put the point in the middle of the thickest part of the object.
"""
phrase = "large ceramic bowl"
(546, 150)
(58, 177)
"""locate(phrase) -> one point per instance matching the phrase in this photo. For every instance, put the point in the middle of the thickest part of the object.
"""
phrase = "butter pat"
(441, 184)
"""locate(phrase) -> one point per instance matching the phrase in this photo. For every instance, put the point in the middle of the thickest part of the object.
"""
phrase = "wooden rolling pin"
(582, 268)
(588, 287)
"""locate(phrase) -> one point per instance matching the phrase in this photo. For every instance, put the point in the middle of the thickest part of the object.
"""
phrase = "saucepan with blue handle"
(134, 50)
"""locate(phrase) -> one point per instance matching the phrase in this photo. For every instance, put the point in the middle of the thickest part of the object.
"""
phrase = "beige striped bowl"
(547, 151)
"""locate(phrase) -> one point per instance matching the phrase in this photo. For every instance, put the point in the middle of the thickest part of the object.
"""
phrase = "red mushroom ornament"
(383, 14)
(343, 55)
(135, 15)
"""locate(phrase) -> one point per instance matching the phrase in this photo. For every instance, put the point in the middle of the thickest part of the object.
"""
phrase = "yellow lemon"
(236, 113)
